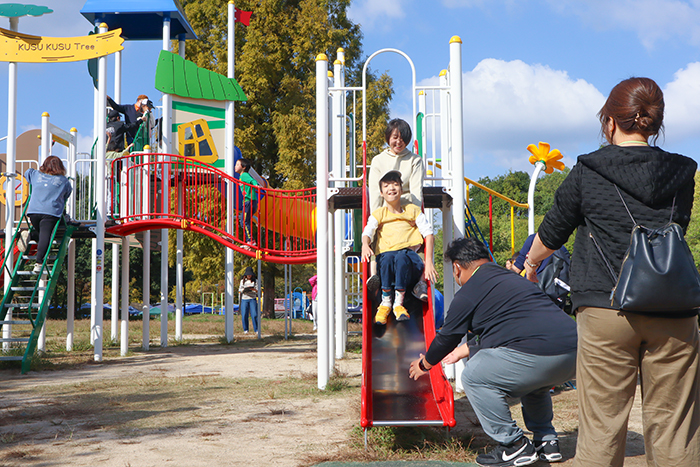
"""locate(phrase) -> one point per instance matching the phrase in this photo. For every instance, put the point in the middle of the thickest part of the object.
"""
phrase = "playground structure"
(196, 189)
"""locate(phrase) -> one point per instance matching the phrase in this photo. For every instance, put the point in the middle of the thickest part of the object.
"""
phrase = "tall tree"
(275, 66)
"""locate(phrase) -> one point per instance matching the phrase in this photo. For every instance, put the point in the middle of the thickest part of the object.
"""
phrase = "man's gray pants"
(492, 376)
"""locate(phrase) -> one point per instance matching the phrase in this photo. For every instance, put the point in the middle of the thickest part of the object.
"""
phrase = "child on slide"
(401, 233)
(397, 156)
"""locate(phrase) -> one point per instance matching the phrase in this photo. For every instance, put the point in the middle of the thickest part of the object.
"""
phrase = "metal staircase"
(27, 296)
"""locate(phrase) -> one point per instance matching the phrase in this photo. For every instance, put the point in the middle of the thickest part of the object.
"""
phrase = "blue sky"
(533, 70)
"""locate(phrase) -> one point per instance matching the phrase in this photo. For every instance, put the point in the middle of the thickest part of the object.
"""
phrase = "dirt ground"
(62, 418)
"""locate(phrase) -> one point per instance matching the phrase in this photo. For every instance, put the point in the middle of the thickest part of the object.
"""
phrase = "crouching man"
(526, 346)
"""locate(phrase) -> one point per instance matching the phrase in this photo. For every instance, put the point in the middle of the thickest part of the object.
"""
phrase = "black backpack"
(554, 279)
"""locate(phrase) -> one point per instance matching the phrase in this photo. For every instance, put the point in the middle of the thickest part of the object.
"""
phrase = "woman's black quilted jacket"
(648, 178)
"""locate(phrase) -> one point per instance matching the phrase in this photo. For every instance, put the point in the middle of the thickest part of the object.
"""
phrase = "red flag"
(243, 16)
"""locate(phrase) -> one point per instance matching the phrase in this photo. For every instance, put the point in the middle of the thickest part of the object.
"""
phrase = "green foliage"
(515, 186)
(692, 235)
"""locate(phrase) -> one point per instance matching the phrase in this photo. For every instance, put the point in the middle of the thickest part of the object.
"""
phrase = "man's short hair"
(465, 251)
(391, 176)
(245, 164)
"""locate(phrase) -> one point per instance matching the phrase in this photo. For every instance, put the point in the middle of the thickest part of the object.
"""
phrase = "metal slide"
(389, 396)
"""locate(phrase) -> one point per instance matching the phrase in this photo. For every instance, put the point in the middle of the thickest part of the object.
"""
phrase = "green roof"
(175, 75)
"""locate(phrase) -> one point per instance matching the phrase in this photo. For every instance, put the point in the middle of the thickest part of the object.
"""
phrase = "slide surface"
(389, 396)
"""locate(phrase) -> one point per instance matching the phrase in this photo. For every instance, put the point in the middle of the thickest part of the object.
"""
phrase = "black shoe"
(521, 452)
(373, 283)
(548, 450)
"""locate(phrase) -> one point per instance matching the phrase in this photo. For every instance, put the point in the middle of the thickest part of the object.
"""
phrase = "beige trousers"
(615, 350)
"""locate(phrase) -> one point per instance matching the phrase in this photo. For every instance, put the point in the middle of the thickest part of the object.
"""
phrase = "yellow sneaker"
(382, 314)
(401, 313)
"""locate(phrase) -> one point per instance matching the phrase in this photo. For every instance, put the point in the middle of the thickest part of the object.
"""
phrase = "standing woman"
(50, 190)
(615, 347)
(249, 299)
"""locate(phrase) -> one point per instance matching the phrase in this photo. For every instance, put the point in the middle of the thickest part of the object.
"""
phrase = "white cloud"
(381, 14)
(682, 98)
(508, 105)
(652, 20)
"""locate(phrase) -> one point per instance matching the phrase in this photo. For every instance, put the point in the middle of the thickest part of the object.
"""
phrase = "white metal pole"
(330, 304)
(166, 147)
(448, 282)
(180, 244)
(337, 166)
(444, 126)
(124, 334)
(70, 291)
(10, 168)
(229, 168)
(114, 316)
(45, 139)
(322, 216)
(115, 246)
(100, 199)
(539, 167)
(70, 280)
(146, 315)
(41, 343)
(457, 156)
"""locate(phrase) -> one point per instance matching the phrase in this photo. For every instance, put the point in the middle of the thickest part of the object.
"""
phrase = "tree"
(692, 235)
(515, 186)
(275, 66)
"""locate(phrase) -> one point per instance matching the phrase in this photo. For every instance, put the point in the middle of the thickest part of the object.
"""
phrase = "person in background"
(50, 190)
(519, 262)
(133, 114)
(619, 350)
(526, 346)
(314, 302)
(250, 200)
(116, 131)
(397, 157)
(511, 260)
(248, 289)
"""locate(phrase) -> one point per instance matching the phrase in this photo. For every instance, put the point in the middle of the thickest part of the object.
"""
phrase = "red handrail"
(282, 227)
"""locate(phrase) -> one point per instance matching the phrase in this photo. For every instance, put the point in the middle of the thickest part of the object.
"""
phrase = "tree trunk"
(268, 308)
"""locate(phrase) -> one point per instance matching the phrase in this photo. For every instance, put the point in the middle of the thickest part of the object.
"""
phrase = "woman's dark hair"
(465, 251)
(245, 164)
(52, 166)
(636, 105)
(391, 176)
(403, 127)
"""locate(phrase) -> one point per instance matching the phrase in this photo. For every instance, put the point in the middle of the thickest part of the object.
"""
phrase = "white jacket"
(411, 167)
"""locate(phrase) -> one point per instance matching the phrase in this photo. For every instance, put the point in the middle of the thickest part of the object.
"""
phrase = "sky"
(533, 70)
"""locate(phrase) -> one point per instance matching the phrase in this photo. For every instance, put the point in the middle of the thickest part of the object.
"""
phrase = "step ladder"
(27, 296)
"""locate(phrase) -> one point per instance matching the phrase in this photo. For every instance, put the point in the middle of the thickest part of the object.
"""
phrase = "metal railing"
(282, 223)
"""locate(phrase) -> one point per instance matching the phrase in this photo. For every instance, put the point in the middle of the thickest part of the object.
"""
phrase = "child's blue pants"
(399, 269)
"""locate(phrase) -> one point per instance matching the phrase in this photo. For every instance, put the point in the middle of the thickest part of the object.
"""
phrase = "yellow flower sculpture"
(551, 159)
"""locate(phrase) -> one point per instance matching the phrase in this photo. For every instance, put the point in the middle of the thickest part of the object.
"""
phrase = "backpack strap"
(673, 205)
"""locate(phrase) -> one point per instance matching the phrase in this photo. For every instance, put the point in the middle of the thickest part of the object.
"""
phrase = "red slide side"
(389, 396)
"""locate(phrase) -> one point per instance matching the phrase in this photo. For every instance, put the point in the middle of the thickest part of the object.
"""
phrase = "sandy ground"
(269, 432)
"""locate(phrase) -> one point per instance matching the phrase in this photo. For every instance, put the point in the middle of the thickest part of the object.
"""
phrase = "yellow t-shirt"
(397, 231)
